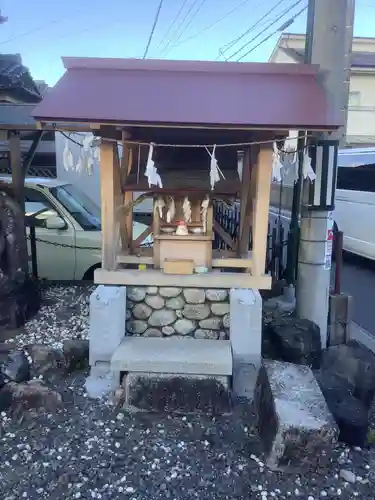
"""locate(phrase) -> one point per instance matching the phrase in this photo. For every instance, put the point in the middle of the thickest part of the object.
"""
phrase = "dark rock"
(269, 348)
(3, 380)
(295, 425)
(46, 361)
(76, 353)
(31, 398)
(355, 364)
(16, 366)
(350, 414)
(296, 340)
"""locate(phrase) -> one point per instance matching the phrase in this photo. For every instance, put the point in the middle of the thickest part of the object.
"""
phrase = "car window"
(38, 206)
(360, 178)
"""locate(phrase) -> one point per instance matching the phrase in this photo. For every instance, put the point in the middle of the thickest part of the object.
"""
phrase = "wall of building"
(173, 311)
(361, 116)
(361, 106)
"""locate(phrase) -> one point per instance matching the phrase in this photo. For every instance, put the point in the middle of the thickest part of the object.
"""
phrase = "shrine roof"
(192, 93)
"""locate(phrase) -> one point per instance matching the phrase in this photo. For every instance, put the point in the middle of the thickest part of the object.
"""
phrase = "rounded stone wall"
(165, 311)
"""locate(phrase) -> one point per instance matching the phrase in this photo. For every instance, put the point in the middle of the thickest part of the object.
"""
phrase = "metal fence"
(277, 238)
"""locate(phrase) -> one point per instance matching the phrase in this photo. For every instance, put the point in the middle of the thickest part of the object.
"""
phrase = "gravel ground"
(97, 450)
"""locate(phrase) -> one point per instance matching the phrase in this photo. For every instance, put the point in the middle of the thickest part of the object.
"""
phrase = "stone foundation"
(180, 393)
(172, 311)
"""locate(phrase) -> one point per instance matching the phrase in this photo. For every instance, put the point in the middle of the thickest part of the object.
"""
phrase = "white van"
(355, 201)
(354, 212)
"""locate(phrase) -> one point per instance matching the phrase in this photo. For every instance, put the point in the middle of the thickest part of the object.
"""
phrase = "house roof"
(16, 79)
(134, 91)
(18, 115)
(358, 59)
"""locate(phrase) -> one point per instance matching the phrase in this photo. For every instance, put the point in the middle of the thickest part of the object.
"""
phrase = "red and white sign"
(329, 243)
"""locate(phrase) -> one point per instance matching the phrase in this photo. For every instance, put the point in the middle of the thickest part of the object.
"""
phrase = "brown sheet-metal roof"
(260, 95)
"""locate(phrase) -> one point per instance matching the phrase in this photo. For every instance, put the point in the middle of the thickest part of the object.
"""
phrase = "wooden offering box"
(171, 246)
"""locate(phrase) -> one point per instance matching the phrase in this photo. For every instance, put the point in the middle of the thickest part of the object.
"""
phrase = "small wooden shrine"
(192, 134)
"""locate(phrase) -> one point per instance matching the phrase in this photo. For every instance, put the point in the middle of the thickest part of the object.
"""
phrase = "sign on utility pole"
(328, 44)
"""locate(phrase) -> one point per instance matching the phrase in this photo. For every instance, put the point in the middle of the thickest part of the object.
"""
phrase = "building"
(19, 94)
(361, 115)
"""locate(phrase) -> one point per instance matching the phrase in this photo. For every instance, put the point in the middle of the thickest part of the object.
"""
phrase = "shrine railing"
(277, 238)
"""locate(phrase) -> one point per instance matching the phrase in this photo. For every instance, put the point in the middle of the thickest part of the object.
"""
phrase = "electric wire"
(249, 30)
(215, 23)
(281, 15)
(189, 22)
(153, 29)
(172, 24)
(282, 28)
(41, 26)
(181, 24)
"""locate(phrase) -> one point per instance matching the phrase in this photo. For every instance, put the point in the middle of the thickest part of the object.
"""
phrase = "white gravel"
(96, 450)
(64, 315)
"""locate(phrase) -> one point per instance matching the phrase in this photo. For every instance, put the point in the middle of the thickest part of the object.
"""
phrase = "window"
(356, 178)
(38, 206)
(354, 99)
(80, 206)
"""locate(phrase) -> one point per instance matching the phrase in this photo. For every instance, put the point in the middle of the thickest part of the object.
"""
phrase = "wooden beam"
(127, 219)
(245, 207)
(31, 153)
(142, 236)
(125, 235)
(109, 181)
(154, 277)
(18, 176)
(224, 235)
(262, 183)
(18, 181)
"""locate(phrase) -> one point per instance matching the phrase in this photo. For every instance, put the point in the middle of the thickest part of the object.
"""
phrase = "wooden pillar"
(262, 175)
(110, 189)
(120, 173)
(126, 223)
(18, 182)
(247, 194)
(18, 175)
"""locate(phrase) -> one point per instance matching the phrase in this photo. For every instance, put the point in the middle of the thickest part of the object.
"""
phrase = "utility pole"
(328, 43)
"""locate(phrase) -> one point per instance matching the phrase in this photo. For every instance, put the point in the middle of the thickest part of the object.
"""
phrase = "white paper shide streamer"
(68, 160)
(87, 154)
(285, 163)
(151, 171)
(276, 164)
(215, 171)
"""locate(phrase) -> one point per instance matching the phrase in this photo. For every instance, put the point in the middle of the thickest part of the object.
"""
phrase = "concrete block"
(339, 318)
(102, 381)
(177, 392)
(107, 321)
(173, 355)
(295, 424)
(245, 333)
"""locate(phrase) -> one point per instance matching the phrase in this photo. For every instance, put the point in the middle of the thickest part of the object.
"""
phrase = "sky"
(44, 30)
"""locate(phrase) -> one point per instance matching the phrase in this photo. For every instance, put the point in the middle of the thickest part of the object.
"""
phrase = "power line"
(189, 23)
(42, 26)
(281, 15)
(249, 30)
(238, 6)
(181, 23)
(153, 29)
(172, 24)
(282, 28)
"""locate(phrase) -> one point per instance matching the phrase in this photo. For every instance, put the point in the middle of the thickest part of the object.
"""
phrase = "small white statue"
(171, 209)
(186, 209)
(204, 209)
(159, 205)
